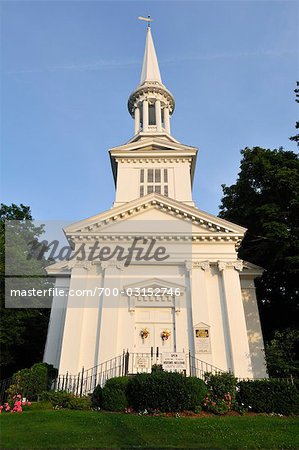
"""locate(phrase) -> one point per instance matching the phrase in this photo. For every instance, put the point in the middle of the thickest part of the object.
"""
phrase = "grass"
(38, 428)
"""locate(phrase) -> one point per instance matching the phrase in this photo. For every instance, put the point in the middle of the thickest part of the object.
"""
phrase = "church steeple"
(150, 67)
(151, 104)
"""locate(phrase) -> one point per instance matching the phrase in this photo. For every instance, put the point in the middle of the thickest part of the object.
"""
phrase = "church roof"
(214, 225)
(150, 68)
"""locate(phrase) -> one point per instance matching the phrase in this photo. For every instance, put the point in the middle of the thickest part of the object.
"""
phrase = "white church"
(194, 297)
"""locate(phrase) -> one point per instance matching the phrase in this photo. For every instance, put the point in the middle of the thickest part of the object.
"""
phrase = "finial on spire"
(146, 19)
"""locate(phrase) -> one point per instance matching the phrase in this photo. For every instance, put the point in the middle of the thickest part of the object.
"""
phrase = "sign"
(174, 361)
(142, 362)
(202, 340)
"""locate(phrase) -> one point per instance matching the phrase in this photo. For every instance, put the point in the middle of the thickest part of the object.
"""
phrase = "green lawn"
(87, 429)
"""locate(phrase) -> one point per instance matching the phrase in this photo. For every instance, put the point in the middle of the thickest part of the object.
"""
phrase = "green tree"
(281, 354)
(265, 200)
(296, 137)
(22, 331)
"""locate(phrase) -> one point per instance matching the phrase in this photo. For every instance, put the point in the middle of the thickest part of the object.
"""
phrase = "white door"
(154, 330)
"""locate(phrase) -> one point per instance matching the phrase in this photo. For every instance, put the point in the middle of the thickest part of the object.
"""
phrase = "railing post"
(81, 387)
(127, 363)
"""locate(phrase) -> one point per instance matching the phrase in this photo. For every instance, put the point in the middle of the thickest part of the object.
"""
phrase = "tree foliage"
(296, 137)
(22, 331)
(265, 200)
(281, 354)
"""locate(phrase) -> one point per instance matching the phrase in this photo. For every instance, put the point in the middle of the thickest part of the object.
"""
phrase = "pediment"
(155, 283)
(152, 144)
(153, 209)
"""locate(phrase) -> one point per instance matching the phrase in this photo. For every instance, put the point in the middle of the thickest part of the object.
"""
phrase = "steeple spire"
(150, 68)
(151, 104)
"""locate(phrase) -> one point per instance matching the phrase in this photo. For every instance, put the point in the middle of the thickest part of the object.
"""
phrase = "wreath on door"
(165, 335)
(144, 333)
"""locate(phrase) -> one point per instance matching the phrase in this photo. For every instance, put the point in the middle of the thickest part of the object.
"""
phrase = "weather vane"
(147, 19)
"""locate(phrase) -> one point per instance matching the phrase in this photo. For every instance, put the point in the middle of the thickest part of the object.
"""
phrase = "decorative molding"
(237, 265)
(204, 265)
(114, 263)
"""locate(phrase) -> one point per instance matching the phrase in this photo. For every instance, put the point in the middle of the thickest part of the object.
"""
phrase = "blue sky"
(68, 69)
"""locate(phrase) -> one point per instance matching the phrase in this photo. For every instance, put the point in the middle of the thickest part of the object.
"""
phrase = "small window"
(157, 176)
(165, 176)
(150, 175)
(153, 180)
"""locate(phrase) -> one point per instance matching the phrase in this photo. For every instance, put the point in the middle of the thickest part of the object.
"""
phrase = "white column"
(108, 342)
(145, 115)
(56, 324)
(137, 120)
(166, 120)
(240, 352)
(72, 334)
(158, 115)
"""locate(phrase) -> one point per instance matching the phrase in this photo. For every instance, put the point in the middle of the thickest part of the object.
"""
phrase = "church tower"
(197, 301)
(153, 160)
(151, 104)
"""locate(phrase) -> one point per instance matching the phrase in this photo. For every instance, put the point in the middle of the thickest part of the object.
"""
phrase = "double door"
(154, 331)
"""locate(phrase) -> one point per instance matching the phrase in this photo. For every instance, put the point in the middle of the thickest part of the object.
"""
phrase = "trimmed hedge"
(165, 391)
(114, 394)
(268, 396)
(197, 391)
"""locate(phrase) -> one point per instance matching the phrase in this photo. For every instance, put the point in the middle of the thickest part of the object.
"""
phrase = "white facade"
(214, 315)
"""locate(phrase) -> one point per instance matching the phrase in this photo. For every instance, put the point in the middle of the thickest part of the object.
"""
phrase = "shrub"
(81, 403)
(163, 391)
(157, 368)
(63, 399)
(30, 382)
(197, 391)
(221, 395)
(114, 394)
(97, 397)
(268, 396)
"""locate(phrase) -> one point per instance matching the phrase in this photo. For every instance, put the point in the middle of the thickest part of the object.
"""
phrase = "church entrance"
(155, 331)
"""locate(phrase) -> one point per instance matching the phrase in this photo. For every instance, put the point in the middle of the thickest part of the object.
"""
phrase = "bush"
(114, 394)
(97, 397)
(63, 399)
(30, 383)
(163, 391)
(221, 396)
(268, 396)
(197, 391)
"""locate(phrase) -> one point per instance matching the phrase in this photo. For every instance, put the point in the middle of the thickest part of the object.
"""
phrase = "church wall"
(254, 331)
(56, 324)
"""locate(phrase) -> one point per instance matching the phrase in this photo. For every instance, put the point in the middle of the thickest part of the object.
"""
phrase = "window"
(151, 115)
(153, 180)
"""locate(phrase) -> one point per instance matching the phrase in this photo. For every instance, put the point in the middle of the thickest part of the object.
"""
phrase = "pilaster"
(240, 352)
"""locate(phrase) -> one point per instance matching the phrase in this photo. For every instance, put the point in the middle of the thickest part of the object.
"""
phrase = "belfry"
(184, 291)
